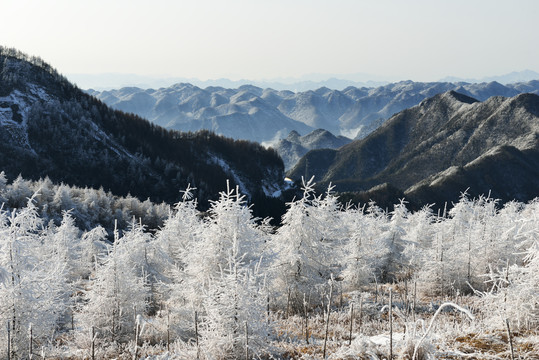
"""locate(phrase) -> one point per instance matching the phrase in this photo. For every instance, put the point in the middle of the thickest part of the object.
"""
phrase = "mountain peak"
(452, 94)
(293, 136)
(295, 146)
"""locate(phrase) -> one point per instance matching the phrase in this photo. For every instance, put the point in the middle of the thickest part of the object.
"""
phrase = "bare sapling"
(93, 344)
(288, 304)
(510, 339)
(351, 323)
(8, 341)
(415, 300)
(196, 335)
(390, 323)
(327, 319)
(168, 329)
(246, 342)
(306, 319)
(30, 350)
(137, 329)
(360, 314)
(406, 302)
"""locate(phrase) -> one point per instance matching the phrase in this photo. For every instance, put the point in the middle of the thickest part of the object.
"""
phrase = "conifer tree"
(300, 266)
(32, 287)
(117, 294)
(223, 280)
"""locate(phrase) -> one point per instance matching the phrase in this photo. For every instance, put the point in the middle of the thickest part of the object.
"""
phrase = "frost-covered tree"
(144, 255)
(117, 294)
(19, 192)
(65, 244)
(367, 248)
(234, 304)
(93, 249)
(513, 291)
(217, 275)
(393, 236)
(180, 234)
(230, 226)
(32, 284)
(419, 238)
(181, 230)
(301, 263)
(3, 184)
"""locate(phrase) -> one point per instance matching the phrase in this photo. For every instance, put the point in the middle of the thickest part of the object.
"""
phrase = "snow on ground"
(227, 169)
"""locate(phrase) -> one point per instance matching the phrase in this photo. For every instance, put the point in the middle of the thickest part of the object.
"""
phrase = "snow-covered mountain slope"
(294, 146)
(414, 150)
(256, 114)
(240, 114)
(48, 127)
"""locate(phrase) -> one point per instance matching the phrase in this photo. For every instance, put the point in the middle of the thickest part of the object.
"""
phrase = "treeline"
(18, 68)
(233, 272)
(88, 207)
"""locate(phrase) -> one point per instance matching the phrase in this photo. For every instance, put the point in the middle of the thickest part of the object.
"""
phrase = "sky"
(421, 40)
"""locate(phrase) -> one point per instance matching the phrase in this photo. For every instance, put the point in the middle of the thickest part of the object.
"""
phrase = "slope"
(295, 146)
(447, 130)
(48, 127)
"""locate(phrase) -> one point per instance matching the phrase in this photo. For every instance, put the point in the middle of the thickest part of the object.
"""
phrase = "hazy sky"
(422, 40)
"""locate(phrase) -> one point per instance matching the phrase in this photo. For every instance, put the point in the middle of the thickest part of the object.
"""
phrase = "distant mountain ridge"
(110, 81)
(266, 115)
(294, 146)
(439, 148)
(510, 78)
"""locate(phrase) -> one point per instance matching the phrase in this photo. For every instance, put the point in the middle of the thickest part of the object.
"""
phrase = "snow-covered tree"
(32, 285)
(117, 294)
(513, 291)
(3, 184)
(217, 272)
(19, 192)
(393, 236)
(181, 230)
(419, 238)
(234, 304)
(367, 248)
(301, 264)
(230, 226)
(93, 251)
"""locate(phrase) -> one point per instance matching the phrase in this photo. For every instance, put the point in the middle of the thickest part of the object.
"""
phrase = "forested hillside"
(48, 127)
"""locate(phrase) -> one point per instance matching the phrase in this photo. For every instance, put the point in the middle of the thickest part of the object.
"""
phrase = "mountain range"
(434, 151)
(510, 78)
(267, 115)
(109, 81)
(49, 127)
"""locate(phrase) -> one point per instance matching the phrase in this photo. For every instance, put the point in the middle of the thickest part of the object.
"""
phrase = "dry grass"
(453, 336)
